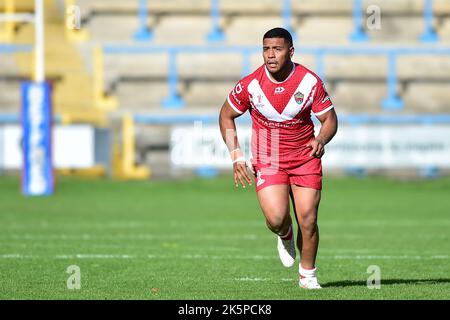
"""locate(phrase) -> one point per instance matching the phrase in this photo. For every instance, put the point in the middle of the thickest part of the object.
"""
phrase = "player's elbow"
(225, 115)
(332, 121)
(222, 117)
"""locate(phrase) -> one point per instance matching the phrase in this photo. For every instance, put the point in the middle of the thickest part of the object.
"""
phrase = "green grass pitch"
(204, 239)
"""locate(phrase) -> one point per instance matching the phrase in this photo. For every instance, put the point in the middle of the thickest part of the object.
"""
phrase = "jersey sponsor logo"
(259, 179)
(279, 90)
(235, 97)
(238, 88)
(325, 99)
(298, 96)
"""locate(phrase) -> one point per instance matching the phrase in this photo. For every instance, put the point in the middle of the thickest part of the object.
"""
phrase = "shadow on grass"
(357, 283)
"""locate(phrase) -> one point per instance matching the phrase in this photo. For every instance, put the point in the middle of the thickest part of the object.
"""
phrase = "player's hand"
(317, 146)
(241, 175)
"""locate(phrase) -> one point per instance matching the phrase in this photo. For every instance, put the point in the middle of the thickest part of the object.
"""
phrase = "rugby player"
(286, 155)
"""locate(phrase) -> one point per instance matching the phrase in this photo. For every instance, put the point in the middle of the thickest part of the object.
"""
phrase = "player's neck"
(283, 74)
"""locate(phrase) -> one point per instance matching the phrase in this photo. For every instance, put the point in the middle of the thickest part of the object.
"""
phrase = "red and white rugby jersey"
(281, 111)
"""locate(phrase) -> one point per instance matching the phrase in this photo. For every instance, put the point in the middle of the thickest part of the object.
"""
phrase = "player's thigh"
(274, 202)
(306, 201)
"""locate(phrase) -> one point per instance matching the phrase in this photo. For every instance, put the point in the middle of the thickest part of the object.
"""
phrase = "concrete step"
(358, 97)
(249, 30)
(10, 97)
(427, 98)
(138, 97)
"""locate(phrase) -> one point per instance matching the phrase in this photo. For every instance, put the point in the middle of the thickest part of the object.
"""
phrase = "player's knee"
(275, 222)
(308, 219)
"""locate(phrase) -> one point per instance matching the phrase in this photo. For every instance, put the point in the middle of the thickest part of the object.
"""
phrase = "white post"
(39, 39)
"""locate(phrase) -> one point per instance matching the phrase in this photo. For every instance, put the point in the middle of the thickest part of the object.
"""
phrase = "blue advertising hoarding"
(37, 170)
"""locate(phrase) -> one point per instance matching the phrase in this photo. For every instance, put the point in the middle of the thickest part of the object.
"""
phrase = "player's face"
(277, 54)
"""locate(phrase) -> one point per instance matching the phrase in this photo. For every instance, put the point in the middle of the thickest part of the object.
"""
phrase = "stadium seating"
(10, 97)
(144, 96)
(205, 78)
(8, 65)
(204, 83)
(356, 81)
(332, 30)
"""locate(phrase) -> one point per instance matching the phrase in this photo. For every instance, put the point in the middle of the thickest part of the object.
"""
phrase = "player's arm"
(327, 131)
(229, 135)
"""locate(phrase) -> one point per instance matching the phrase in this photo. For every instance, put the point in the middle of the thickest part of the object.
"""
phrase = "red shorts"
(300, 173)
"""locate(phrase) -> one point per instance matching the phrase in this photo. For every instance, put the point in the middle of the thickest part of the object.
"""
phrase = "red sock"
(288, 235)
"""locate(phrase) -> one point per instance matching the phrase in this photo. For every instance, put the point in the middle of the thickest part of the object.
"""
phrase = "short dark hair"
(279, 33)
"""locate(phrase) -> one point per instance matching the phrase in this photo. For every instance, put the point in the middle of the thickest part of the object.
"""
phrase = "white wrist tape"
(239, 159)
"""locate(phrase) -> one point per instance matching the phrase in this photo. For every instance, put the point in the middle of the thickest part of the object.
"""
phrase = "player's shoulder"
(303, 71)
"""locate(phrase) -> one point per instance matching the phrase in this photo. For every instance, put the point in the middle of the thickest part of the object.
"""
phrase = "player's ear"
(291, 51)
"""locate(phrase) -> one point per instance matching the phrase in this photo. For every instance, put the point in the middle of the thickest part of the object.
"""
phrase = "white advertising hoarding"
(381, 146)
(402, 146)
(73, 146)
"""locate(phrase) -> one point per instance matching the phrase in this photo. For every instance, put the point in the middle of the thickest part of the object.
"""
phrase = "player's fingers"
(247, 176)
(319, 150)
(322, 152)
(314, 150)
(237, 175)
(240, 180)
(311, 143)
(250, 166)
(237, 172)
(243, 173)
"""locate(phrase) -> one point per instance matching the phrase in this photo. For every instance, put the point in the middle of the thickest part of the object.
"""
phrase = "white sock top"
(307, 273)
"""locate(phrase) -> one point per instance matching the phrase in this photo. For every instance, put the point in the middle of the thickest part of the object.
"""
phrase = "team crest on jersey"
(258, 103)
(298, 96)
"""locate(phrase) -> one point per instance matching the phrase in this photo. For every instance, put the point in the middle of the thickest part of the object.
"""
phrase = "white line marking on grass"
(134, 224)
(263, 279)
(229, 257)
(251, 279)
(89, 237)
(211, 257)
(15, 256)
(209, 237)
(386, 257)
(215, 257)
(386, 223)
(225, 223)
(439, 257)
(95, 256)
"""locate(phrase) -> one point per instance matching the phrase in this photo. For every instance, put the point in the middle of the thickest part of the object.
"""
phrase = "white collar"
(279, 82)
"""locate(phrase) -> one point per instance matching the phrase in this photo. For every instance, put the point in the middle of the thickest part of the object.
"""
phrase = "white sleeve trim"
(324, 111)
(233, 106)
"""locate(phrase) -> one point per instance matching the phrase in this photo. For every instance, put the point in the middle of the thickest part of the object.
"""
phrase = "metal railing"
(216, 34)
(359, 34)
(14, 48)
